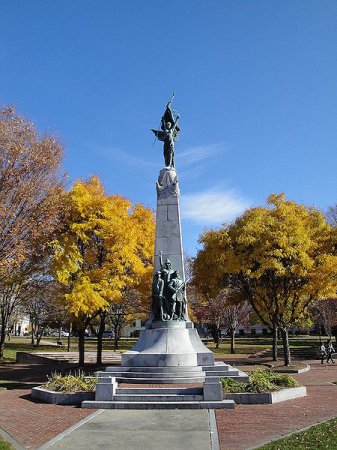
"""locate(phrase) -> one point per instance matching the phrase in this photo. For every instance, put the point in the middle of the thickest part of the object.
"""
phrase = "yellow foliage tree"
(282, 258)
(105, 249)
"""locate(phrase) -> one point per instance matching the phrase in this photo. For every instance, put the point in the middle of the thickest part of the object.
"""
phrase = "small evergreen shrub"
(79, 382)
(260, 380)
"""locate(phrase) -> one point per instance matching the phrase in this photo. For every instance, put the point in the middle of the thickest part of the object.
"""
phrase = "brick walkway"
(249, 426)
(33, 424)
(30, 423)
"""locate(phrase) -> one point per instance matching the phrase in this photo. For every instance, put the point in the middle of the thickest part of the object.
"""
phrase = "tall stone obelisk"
(168, 228)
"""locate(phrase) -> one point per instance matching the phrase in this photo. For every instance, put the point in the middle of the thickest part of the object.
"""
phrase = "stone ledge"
(228, 404)
(304, 369)
(59, 398)
(253, 398)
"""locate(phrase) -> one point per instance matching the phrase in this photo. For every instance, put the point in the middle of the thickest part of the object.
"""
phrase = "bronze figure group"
(168, 293)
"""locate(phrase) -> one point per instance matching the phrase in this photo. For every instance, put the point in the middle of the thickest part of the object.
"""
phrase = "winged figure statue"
(168, 133)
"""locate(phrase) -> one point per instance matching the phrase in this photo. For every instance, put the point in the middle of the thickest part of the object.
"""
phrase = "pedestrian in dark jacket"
(330, 351)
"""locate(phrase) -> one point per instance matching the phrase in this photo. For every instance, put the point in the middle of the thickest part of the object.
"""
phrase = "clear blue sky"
(255, 83)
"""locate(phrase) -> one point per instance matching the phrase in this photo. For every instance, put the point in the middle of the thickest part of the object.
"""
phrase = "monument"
(170, 339)
(169, 350)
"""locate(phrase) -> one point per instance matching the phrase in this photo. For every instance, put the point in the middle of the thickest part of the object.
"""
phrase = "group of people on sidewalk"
(327, 352)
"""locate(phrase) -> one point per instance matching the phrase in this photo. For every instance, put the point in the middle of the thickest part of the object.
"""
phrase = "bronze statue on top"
(169, 133)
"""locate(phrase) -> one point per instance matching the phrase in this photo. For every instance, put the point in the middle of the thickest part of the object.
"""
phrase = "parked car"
(108, 334)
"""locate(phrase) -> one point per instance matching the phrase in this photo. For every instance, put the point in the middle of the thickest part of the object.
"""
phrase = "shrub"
(235, 387)
(79, 382)
(260, 380)
(285, 381)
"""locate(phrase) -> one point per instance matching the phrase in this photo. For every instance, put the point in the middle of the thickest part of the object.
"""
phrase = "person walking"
(323, 353)
(330, 351)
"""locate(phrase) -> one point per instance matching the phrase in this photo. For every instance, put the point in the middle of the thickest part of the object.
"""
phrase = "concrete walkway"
(139, 430)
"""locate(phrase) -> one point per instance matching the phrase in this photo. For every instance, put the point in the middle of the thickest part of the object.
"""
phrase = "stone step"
(178, 391)
(140, 373)
(179, 369)
(166, 375)
(161, 380)
(157, 398)
(220, 373)
(159, 405)
(217, 367)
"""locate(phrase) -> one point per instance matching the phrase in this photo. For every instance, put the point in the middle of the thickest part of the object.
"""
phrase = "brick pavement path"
(33, 424)
(249, 426)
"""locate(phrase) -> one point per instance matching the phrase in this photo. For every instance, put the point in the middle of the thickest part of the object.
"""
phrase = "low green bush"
(232, 386)
(79, 382)
(260, 380)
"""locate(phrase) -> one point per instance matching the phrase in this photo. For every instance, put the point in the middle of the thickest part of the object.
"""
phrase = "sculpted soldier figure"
(177, 288)
(169, 133)
(157, 296)
(166, 273)
(166, 270)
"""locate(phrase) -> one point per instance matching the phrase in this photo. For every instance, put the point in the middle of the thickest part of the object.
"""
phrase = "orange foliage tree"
(30, 193)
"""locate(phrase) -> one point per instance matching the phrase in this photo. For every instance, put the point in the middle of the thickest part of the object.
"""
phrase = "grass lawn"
(9, 384)
(4, 445)
(244, 346)
(323, 436)
(23, 344)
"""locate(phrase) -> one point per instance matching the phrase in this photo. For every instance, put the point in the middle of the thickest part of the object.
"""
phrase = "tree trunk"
(70, 330)
(100, 340)
(2, 341)
(286, 350)
(233, 340)
(275, 336)
(81, 333)
(38, 339)
(116, 338)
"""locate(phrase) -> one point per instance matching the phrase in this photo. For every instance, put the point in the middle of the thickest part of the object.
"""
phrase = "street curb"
(213, 430)
(14, 443)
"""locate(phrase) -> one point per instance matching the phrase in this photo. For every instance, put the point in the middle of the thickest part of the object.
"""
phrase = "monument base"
(168, 344)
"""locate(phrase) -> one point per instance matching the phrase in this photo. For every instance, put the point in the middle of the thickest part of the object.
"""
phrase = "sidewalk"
(33, 424)
(140, 430)
(249, 426)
